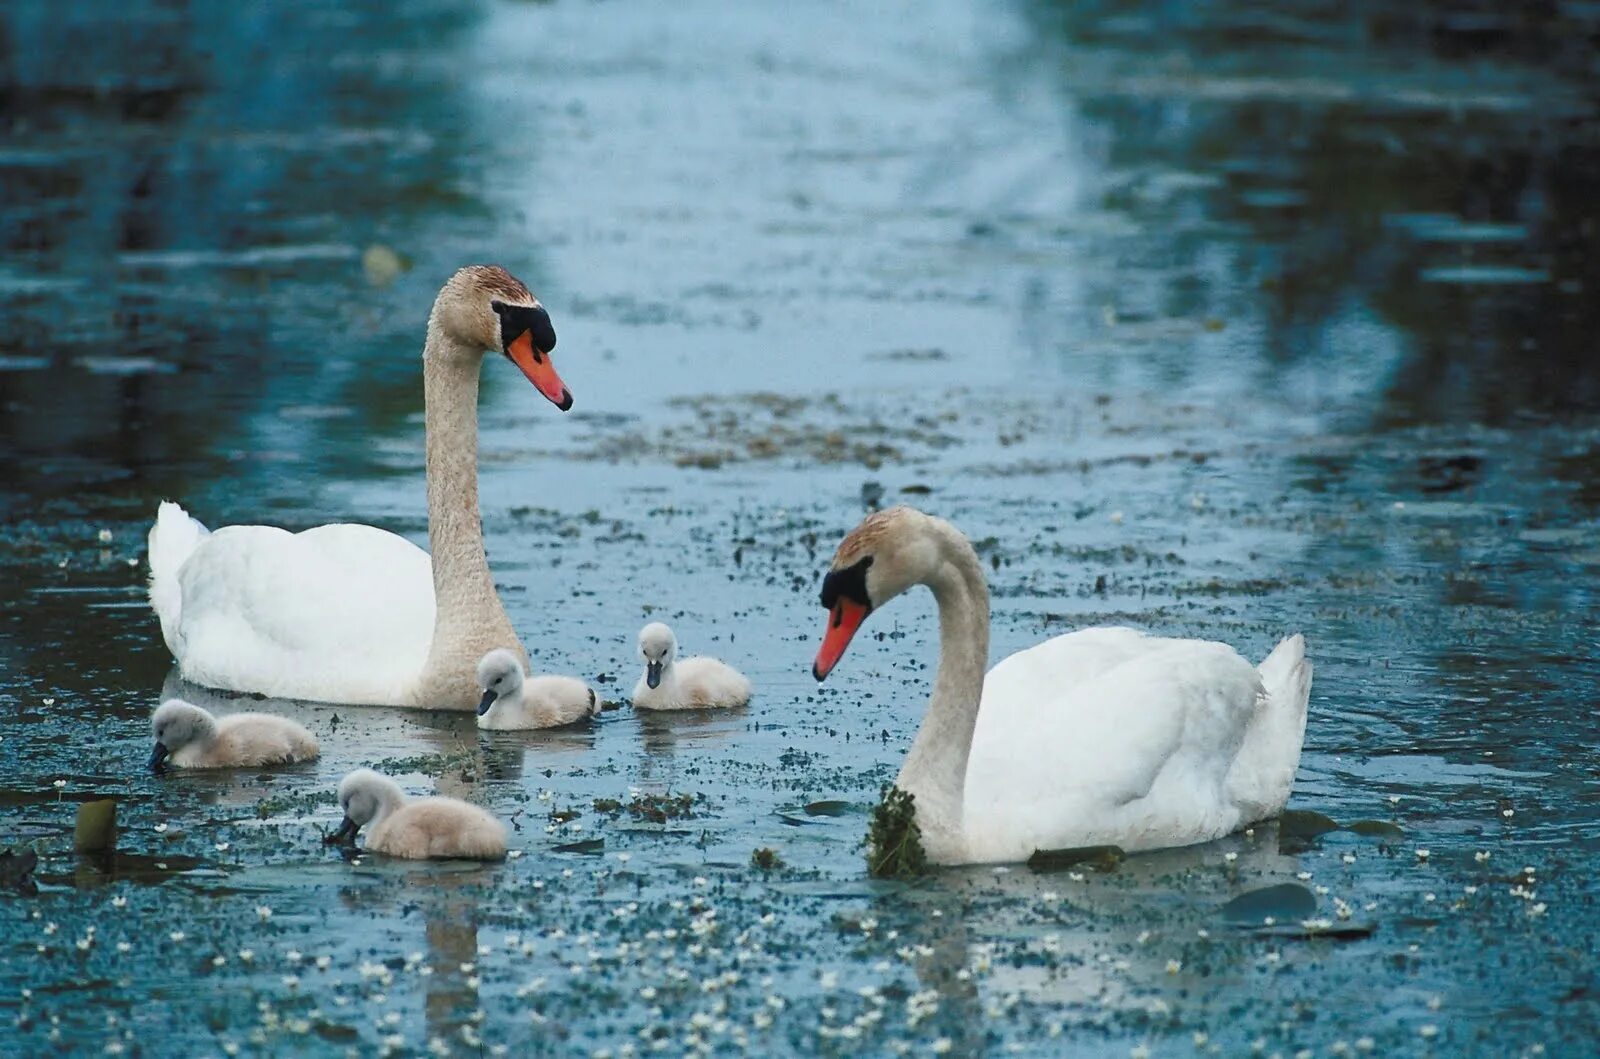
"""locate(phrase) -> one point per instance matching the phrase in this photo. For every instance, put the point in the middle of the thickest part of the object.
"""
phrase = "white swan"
(673, 683)
(512, 699)
(189, 737)
(426, 829)
(1104, 736)
(348, 613)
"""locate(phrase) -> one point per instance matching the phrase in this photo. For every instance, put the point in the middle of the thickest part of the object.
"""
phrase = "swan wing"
(1112, 737)
(339, 613)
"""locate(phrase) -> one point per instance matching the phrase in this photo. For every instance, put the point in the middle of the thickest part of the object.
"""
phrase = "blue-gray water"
(1224, 321)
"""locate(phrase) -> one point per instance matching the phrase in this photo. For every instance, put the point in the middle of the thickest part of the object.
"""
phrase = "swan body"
(1105, 736)
(188, 737)
(434, 828)
(673, 683)
(348, 613)
(512, 699)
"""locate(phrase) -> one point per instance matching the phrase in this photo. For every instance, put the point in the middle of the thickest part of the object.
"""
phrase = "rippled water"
(1224, 322)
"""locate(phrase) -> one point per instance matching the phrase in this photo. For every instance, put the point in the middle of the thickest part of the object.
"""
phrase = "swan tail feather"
(173, 538)
(1263, 774)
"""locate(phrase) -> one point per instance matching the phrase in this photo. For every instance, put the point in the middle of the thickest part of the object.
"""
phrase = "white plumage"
(434, 828)
(1109, 736)
(348, 613)
(339, 613)
(673, 683)
(189, 737)
(1105, 736)
(512, 699)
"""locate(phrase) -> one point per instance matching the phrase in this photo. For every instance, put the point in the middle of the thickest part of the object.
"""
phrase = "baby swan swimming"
(426, 829)
(512, 699)
(188, 737)
(670, 683)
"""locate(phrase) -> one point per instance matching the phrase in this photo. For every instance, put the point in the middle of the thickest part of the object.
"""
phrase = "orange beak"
(535, 364)
(846, 618)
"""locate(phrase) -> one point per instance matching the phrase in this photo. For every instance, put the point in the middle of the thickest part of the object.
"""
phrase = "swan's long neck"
(935, 770)
(468, 619)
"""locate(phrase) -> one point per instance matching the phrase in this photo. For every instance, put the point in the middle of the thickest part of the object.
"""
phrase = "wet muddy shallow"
(1216, 346)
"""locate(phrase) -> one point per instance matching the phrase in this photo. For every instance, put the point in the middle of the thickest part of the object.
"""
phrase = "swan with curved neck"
(348, 613)
(1105, 736)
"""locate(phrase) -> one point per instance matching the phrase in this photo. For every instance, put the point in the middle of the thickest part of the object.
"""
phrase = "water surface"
(1220, 322)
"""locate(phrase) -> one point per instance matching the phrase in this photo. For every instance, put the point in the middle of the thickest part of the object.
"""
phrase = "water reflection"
(1416, 238)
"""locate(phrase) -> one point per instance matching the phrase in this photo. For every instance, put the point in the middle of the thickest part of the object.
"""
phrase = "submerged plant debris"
(894, 841)
(1213, 320)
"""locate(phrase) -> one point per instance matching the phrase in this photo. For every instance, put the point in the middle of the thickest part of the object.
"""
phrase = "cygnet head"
(500, 675)
(485, 307)
(176, 724)
(658, 647)
(364, 796)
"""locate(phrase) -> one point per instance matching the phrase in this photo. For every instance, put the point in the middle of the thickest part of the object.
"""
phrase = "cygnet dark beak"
(652, 674)
(487, 701)
(344, 836)
(158, 759)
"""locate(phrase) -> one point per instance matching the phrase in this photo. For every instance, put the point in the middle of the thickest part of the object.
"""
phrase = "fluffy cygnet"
(425, 829)
(188, 737)
(671, 683)
(512, 699)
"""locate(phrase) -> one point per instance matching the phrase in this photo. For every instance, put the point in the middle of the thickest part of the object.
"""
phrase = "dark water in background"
(1272, 319)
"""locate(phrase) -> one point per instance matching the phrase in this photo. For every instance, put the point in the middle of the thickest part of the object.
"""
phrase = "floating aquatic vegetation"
(96, 828)
(894, 841)
(1289, 910)
(1099, 858)
(1285, 901)
(1298, 829)
(656, 808)
(16, 871)
(766, 859)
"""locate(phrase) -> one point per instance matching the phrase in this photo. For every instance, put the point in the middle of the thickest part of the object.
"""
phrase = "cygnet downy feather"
(673, 683)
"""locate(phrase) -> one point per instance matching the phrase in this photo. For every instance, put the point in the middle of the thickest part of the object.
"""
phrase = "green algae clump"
(894, 841)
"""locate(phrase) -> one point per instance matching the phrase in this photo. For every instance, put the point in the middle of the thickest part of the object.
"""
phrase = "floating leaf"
(588, 845)
(1337, 930)
(16, 871)
(1286, 902)
(828, 807)
(1097, 858)
(96, 828)
(1298, 829)
(1377, 829)
(1305, 823)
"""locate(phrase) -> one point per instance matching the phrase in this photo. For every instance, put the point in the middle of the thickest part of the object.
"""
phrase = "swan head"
(658, 647)
(486, 307)
(888, 553)
(499, 675)
(175, 725)
(365, 796)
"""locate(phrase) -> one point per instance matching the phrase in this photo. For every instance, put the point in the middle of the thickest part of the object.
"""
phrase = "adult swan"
(1103, 736)
(347, 613)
